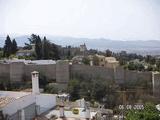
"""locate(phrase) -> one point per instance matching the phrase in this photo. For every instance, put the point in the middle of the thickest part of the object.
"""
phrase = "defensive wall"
(62, 72)
(119, 75)
(156, 84)
(91, 72)
(46, 70)
(4, 72)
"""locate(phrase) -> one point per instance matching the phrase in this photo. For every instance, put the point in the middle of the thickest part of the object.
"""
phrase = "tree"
(158, 65)
(95, 60)
(7, 49)
(49, 50)
(150, 59)
(98, 90)
(55, 51)
(69, 52)
(86, 61)
(14, 46)
(44, 49)
(73, 89)
(32, 40)
(38, 47)
(108, 53)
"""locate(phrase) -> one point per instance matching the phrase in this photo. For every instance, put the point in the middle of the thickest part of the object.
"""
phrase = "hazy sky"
(113, 19)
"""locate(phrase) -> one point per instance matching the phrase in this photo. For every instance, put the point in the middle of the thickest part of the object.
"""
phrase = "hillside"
(135, 46)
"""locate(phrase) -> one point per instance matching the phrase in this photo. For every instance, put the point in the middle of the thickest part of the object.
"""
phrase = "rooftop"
(7, 97)
(37, 62)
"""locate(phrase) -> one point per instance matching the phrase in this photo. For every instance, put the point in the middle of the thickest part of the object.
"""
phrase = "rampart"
(94, 72)
(61, 72)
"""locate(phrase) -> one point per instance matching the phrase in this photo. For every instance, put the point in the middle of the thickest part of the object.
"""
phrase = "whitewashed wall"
(45, 102)
(19, 104)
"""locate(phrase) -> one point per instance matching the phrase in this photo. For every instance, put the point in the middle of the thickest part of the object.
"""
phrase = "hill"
(136, 46)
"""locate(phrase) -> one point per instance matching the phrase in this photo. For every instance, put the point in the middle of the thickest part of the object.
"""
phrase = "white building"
(23, 52)
(72, 110)
(25, 105)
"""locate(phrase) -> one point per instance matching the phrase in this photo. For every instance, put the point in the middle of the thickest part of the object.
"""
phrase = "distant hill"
(136, 46)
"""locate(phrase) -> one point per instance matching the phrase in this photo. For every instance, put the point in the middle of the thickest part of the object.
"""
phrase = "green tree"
(49, 88)
(108, 53)
(158, 65)
(86, 60)
(38, 47)
(69, 52)
(135, 66)
(7, 49)
(55, 51)
(1, 54)
(14, 46)
(98, 90)
(32, 40)
(44, 49)
(49, 50)
(95, 60)
(73, 89)
(149, 59)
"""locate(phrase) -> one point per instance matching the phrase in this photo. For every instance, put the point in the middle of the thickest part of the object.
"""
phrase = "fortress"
(62, 72)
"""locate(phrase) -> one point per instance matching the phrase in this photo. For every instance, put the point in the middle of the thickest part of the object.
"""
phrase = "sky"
(111, 19)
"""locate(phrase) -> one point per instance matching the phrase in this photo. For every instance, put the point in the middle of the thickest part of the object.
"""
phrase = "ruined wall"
(94, 72)
(62, 71)
(47, 70)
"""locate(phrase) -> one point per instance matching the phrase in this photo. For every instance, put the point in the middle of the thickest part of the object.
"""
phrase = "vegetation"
(148, 113)
(108, 53)
(86, 61)
(49, 88)
(1, 54)
(93, 90)
(10, 47)
(44, 49)
(135, 66)
(95, 60)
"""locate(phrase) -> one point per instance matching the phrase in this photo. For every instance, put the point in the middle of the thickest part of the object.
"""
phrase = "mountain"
(136, 46)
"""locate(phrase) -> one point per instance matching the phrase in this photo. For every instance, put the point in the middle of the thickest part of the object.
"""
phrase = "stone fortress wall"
(62, 72)
(4, 71)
